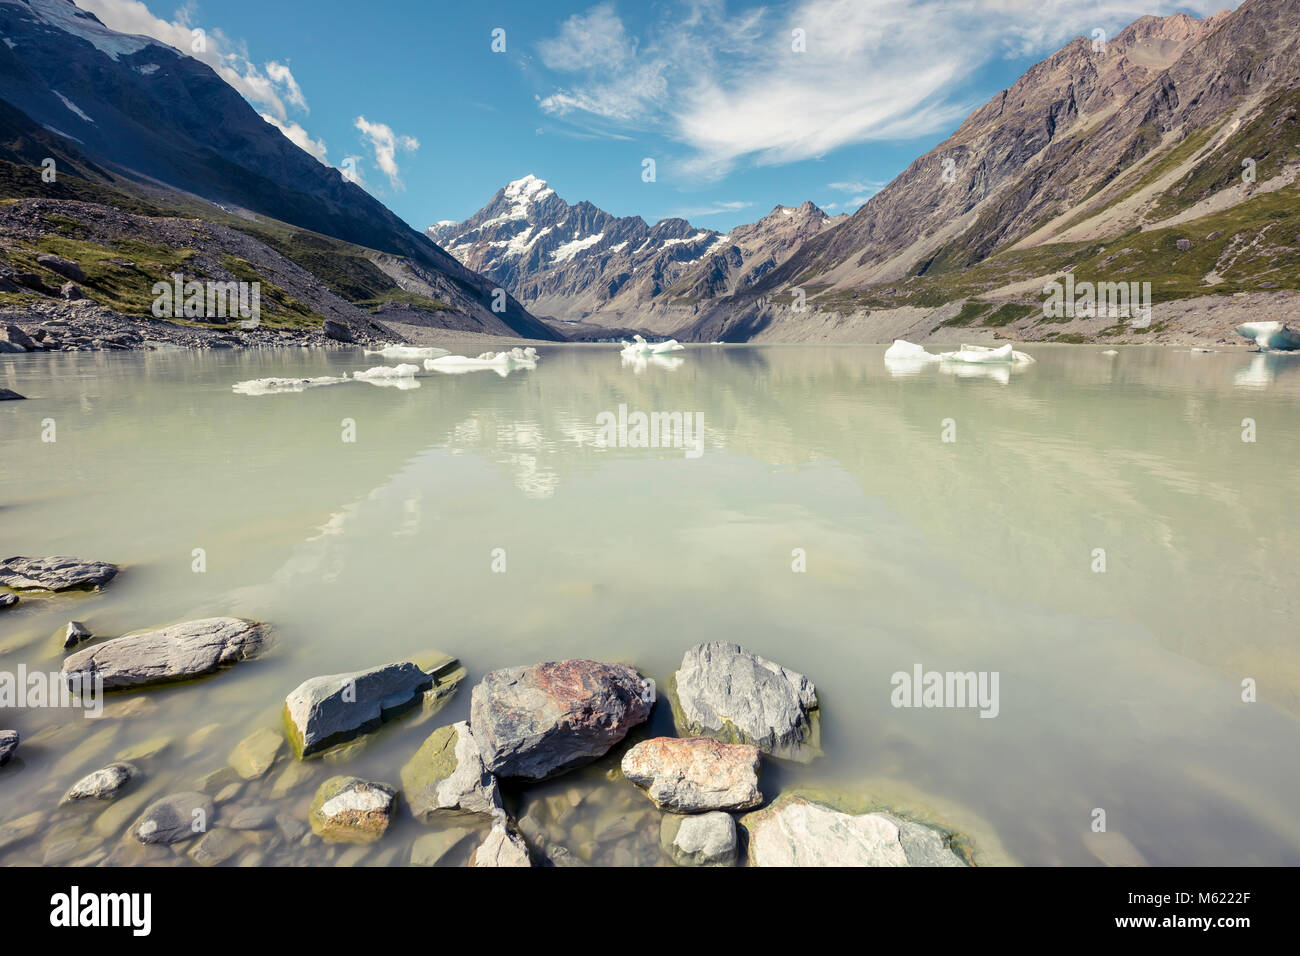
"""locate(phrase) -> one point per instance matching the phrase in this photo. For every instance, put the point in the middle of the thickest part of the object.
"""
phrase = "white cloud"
(713, 209)
(385, 144)
(268, 86)
(730, 87)
(298, 136)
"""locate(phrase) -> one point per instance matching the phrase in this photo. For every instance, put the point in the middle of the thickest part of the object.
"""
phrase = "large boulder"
(708, 839)
(57, 573)
(502, 847)
(174, 818)
(338, 331)
(64, 267)
(104, 784)
(695, 774)
(8, 744)
(16, 337)
(539, 721)
(352, 810)
(174, 653)
(447, 777)
(734, 695)
(335, 708)
(794, 831)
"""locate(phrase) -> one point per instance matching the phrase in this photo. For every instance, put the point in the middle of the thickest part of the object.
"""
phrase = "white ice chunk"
(275, 386)
(987, 355)
(910, 352)
(407, 352)
(384, 373)
(503, 363)
(1270, 335)
(641, 347)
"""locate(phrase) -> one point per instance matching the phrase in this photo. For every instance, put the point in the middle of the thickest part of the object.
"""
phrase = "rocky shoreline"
(473, 785)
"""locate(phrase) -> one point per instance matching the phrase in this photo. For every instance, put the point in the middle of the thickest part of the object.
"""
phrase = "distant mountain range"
(1121, 161)
(127, 116)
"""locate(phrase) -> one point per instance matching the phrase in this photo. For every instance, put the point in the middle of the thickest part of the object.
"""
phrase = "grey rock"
(255, 754)
(8, 600)
(173, 653)
(216, 847)
(9, 348)
(255, 818)
(103, 784)
(71, 291)
(64, 267)
(534, 722)
(337, 331)
(708, 839)
(695, 774)
(8, 395)
(447, 776)
(794, 831)
(174, 818)
(75, 634)
(18, 338)
(57, 573)
(502, 847)
(352, 810)
(731, 694)
(292, 828)
(8, 744)
(331, 709)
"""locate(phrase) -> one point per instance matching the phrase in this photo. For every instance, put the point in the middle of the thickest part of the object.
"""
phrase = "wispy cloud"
(385, 144)
(713, 209)
(862, 190)
(775, 86)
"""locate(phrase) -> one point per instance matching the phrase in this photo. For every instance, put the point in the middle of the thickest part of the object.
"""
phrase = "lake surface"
(1119, 690)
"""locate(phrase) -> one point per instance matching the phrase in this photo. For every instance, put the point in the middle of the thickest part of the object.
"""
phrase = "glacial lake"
(1118, 689)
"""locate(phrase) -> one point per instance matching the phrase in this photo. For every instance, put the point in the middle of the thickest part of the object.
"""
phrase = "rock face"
(447, 777)
(695, 774)
(103, 784)
(796, 832)
(174, 818)
(733, 695)
(173, 653)
(8, 744)
(75, 634)
(332, 709)
(57, 573)
(708, 839)
(538, 721)
(352, 810)
(502, 847)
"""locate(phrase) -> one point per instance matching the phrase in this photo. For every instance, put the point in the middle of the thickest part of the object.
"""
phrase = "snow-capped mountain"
(573, 261)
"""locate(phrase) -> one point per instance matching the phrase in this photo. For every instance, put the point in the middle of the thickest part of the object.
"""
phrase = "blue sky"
(737, 118)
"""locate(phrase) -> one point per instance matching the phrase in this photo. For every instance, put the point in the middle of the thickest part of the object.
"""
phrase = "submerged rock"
(174, 818)
(447, 776)
(794, 831)
(8, 744)
(57, 573)
(332, 709)
(8, 395)
(537, 721)
(502, 847)
(433, 848)
(352, 810)
(731, 694)
(708, 839)
(75, 634)
(103, 784)
(216, 847)
(695, 774)
(254, 755)
(173, 653)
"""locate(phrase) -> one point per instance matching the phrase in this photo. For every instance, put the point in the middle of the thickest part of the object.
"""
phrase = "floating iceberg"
(275, 386)
(907, 351)
(985, 355)
(408, 352)
(402, 376)
(1270, 336)
(640, 346)
(1111, 352)
(503, 363)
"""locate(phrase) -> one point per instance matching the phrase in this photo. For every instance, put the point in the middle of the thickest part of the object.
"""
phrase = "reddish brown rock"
(695, 774)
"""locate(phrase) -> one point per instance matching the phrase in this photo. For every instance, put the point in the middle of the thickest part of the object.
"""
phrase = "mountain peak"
(527, 189)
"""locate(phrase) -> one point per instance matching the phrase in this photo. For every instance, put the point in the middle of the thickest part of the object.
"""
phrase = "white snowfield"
(503, 363)
(641, 347)
(1268, 336)
(407, 352)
